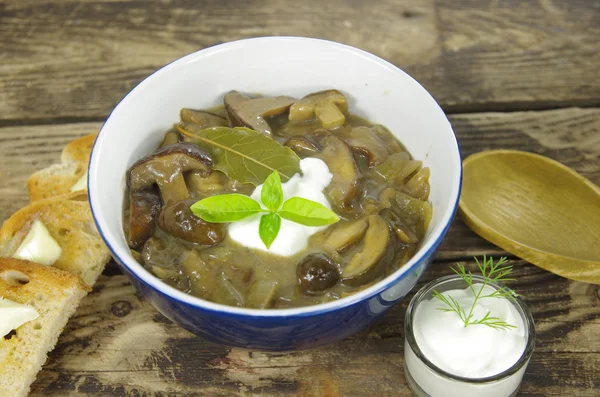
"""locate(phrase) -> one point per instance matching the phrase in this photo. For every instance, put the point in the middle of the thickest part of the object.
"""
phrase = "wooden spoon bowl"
(535, 208)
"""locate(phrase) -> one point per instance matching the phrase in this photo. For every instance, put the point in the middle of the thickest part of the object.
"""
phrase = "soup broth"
(378, 190)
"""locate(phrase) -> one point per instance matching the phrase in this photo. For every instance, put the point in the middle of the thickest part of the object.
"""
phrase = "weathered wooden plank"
(25, 150)
(118, 344)
(75, 59)
(571, 136)
(518, 54)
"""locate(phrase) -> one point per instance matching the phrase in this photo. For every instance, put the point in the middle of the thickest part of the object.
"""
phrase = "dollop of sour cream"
(292, 236)
(475, 351)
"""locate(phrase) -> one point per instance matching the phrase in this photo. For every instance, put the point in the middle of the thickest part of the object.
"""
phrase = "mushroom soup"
(378, 191)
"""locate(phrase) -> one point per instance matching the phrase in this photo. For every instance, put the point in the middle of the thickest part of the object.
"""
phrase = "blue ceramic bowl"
(291, 66)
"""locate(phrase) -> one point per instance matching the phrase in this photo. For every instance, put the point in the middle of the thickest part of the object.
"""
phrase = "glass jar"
(428, 380)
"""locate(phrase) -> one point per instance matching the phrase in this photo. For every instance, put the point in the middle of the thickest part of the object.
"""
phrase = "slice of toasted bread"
(55, 294)
(58, 179)
(69, 220)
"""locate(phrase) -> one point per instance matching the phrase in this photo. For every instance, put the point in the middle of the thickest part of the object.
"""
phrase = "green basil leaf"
(268, 228)
(243, 154)
(307, 212)
(225, 208)
(272, 193)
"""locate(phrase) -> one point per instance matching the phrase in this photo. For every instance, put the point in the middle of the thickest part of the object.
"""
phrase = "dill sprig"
(498, 271)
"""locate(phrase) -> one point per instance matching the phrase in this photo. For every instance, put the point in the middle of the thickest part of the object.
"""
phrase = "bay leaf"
(244, 154)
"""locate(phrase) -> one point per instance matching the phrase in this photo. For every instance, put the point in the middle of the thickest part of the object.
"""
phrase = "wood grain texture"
(28, 149)
(74, 60)
(118, 345)
(536, 209)
(571, 136)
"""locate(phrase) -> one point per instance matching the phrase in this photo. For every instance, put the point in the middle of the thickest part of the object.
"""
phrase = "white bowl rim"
(156, 283)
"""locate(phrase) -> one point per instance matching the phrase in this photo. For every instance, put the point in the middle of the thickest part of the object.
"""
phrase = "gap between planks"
(449, 111)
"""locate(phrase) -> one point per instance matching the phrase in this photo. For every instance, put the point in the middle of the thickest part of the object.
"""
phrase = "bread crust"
(58, 179)
(69, 220)
(40, 274)
(54, 291)
(55, 294)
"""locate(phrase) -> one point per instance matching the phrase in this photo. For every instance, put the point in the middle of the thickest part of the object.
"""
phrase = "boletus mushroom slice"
(202, 276)
(346, 233)
(251, 112)
(144, 205)
(401, 230)
(391, 143)
(178, 220)
(329, 107)
(412, 214)
(171, 137)
(344, 185)
(302, 146)
(203, 119)
(202, 186)
(375, 247)
(261, 294)
(418, 184)
(165, 168)
(156, 253)
(364, 141)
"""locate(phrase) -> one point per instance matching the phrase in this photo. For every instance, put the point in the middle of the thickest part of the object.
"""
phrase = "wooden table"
(510, 74)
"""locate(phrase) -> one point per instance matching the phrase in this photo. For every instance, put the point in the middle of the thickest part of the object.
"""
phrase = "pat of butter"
(13, 315)
(81, 184)
(39, 246)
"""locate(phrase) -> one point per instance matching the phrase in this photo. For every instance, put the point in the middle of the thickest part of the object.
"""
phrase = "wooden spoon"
(535, 208)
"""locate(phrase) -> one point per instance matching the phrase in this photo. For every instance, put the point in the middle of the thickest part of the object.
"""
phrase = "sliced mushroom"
(179, 220)
(344, 186)
(361, 267)
(203, 186)
(418, 184)
(386, 198)
(202, 277)
(329, 107)
(390, 169)
(261, 294)
(165, 168)
(171, 137)
(303, 146)
(227, 293)
(203, 119)
(397, 168)
(402, 231)
(316, 273)
(369, 205)
(345, 234)
(144, 205)
(405, 235)
(365, 142)
(246, 112)
(156, 252)
(296, 128)
(411, 167)
(407, 213)
(391, 142)
(415, 213)
(165, 273)
(137, 256)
